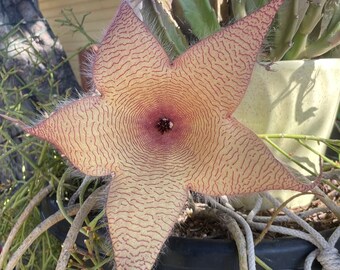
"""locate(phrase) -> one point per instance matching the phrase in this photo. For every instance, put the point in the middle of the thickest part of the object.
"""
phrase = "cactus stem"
(288, 21)
(328, 41)
(239, 9)
(312, 17)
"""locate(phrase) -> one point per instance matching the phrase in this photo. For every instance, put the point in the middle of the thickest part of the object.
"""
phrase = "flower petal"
(223, 62)
(128, 55)
(83, 132)
(241, 163)
(141, 213)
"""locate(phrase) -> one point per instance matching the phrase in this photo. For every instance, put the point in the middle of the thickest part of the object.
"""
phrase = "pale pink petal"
(238, 162)
(222, 64)
(83, 131)
(141, 211)
(128, 55)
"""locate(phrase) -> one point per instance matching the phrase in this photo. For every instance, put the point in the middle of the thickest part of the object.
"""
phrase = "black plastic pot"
(199, 254)
(209, 254)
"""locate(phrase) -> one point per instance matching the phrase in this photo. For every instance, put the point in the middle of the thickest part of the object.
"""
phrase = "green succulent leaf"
(164, 28)
(334, 9)
(201, 17)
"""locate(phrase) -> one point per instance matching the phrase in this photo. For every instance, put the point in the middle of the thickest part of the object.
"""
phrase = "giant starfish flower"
(162, 127)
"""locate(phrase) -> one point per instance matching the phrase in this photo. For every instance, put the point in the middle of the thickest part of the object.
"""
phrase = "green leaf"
(201, 17)
(164, 28)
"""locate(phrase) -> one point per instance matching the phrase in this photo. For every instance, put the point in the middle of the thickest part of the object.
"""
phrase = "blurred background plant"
(301, 30)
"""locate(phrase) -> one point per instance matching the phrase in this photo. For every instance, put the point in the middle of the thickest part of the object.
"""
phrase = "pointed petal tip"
(304, 187)
(303, 184)
(276, 3)
(16, 122)
(127, 55)
(146, 222)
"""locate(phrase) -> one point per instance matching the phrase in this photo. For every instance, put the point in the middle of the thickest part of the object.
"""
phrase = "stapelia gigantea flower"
(162, 127)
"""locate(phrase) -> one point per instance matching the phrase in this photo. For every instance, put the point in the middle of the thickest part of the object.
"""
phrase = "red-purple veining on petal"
(241, 163)
(222, 63)
(141, 213)
(128, 54)
(80, 131)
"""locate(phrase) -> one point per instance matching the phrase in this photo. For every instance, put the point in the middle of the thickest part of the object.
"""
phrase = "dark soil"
(200, 220)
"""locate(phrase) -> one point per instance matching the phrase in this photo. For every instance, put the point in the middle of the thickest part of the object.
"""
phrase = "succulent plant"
(301, 29)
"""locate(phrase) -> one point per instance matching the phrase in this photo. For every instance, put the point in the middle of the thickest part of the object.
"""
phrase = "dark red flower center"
(164, 124)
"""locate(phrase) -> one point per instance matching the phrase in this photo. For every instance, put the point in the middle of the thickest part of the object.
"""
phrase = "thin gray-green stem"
(262, 263)
(72, 21)
(41, 228)
(85, 209)
(300, 139)
(60, 199)
(23, 217)
(240, 240)
(289, 157)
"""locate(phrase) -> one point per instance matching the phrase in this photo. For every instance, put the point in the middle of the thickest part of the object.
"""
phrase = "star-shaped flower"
(162, 127)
